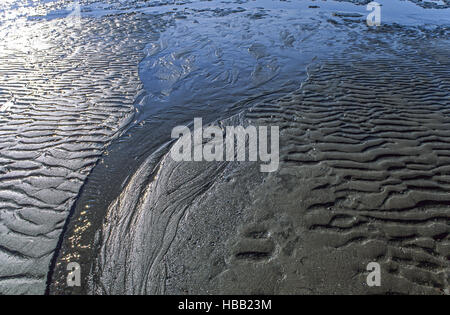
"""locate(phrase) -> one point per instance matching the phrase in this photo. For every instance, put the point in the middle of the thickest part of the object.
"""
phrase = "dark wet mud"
(356, 185)
(364, 149)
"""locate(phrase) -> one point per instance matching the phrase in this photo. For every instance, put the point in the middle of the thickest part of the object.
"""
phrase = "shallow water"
(85, 104)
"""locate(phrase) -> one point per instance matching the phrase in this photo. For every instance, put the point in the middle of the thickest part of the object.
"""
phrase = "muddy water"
(88, 118)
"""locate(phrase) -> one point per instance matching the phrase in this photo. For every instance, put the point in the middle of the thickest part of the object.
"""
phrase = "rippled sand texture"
(365, 177)
(365, 149)
(71, 91)
(376, 134)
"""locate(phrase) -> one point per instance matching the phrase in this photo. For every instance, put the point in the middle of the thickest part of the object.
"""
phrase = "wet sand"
(68, 103)
(364, 178)
(85, 174)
